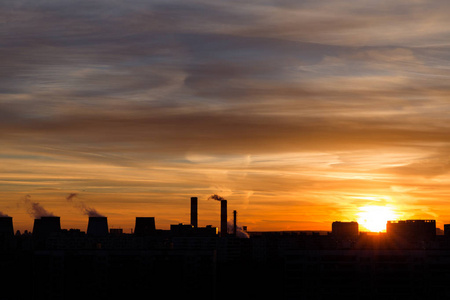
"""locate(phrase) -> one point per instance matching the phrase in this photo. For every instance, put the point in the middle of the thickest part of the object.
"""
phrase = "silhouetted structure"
(116, 231)
(182, 229)
(97, 226)
(145, 226)
(234, 223)
(223, 218)
(412, 230)
(345, 229)
(408, 262)
(187, 230)
(46, 226)
(6, 227)
(447, 230)
(194, 212)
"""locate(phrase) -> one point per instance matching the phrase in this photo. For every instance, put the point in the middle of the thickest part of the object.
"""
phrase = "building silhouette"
(408, 261)
(345, 229)
(412, 230)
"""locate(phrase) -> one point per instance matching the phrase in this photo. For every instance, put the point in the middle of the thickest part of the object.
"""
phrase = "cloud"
(288, 98)
(428, 167)
(35, 209)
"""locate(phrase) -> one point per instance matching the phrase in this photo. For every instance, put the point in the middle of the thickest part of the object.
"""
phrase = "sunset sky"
(299, 113)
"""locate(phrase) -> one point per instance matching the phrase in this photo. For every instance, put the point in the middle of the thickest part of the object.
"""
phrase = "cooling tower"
(194, 212)
(97, 226)
(145, 226)
(36, 226)
(6, 226)
(46, 226)
(223, 218)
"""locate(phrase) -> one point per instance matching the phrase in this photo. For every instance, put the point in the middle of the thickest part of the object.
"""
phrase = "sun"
(374, 218)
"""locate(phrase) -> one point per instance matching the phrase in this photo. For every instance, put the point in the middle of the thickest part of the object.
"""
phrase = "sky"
(299, 113)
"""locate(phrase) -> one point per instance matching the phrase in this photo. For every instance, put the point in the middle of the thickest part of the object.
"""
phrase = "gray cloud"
(155, 82)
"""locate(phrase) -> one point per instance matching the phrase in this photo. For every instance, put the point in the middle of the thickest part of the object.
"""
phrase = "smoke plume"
(36, 210)
(216, 197)
(2, 215)
(89, 211)
(71, 196)
(240, 233)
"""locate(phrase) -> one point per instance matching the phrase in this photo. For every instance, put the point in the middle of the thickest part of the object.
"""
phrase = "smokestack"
(194, 212)
(97, 226)
(234, 223)
(46, 226)
(6, 226)
(145, 226)
(223, 218)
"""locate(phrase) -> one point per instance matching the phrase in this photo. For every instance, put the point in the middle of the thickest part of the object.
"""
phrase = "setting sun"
(374, 218)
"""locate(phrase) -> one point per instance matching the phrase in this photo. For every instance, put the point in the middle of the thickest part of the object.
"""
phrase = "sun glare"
(374, 218)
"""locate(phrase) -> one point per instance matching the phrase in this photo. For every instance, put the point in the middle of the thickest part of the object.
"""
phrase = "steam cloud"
(2, 215)
(89, 211)
(240, 233)
(216, 197)
(36, 210)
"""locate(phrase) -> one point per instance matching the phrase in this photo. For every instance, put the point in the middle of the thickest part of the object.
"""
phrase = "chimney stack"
(97, 226)
(234, 223)
(223, 218)
(194, 212)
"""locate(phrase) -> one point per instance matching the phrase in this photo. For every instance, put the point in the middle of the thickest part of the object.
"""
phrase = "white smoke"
(89, 211)
(240, 233)
(36, 210)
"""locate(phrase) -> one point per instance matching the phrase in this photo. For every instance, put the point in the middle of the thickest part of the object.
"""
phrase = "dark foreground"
(293, 265)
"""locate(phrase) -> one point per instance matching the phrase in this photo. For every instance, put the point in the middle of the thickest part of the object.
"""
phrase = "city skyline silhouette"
(226, 224)
(312, 136)
(200, 261)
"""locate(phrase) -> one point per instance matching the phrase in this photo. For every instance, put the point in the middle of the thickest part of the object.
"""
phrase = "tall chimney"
(194, 212)
(223, 218)
(234, 222)
(97, 226)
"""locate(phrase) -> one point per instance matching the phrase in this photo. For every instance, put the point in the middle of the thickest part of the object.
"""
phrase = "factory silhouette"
(408, 261)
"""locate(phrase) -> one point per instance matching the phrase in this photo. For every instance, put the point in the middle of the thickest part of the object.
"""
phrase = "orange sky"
(299, 114)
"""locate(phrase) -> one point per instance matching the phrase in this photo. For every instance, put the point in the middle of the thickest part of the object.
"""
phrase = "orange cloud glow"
(300, 114)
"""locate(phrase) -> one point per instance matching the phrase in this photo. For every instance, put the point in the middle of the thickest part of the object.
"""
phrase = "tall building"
(418, 230)
(345, 229)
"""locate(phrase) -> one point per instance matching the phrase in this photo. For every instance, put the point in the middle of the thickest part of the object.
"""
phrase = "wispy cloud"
(313, 100)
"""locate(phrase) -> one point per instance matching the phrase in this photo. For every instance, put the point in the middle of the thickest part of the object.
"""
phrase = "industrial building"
(408, 261)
